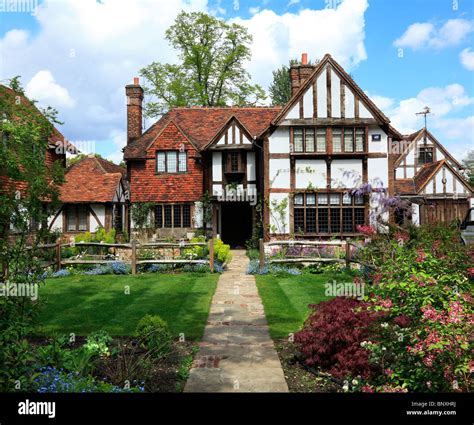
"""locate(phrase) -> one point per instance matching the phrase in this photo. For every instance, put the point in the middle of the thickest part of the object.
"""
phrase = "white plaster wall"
(282, 226)
(429, 188)
(349, 99)
(410, 173)
(308, 103)
(294, 112)
(410, 158)
(237, 134)
(310, 171)
(339, 166)
(198, 214)
(399, 173)
(251, 175)
(221, 140)
(99, 210)
(376, 211)
(58, 223)
(217, 166)
(377, 171)
(415, 214)
(279, 141)
(246, 140)
(279, 171)
(335, 95)
(377, 147)
(322, 90)
(363, 111)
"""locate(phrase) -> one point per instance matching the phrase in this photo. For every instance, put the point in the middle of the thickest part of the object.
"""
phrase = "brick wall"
(149, 186)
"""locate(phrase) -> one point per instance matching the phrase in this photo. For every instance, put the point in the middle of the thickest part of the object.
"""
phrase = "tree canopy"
(280, 89)
(211, 70)
(468, 163)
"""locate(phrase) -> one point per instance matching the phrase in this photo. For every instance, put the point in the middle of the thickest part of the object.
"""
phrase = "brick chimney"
(299, 73)
(134, 94)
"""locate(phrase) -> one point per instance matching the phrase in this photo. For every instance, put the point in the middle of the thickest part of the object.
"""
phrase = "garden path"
(236, 353)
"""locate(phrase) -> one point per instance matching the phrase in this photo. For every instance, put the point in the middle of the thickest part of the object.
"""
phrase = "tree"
(280, 89)
(27, 183)
(211, 71)
(79, 157)
(468, 163)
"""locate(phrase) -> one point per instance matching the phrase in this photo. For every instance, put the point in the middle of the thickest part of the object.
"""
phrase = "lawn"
(286, 298)
(83, 304)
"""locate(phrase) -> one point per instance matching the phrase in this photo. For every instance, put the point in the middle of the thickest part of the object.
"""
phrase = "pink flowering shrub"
(422, 285)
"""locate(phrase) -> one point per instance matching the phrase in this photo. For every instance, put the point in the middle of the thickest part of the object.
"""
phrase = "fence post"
(261, 249)
(211, 254)
(134, 256)
(58, 254)
(348, 254)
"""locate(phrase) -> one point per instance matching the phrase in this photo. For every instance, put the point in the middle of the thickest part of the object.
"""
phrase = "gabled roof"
(327, 59)
(231, 121)
(201, 124)
(56, 139)
(419, 135)
(424, 176)
(91, 180)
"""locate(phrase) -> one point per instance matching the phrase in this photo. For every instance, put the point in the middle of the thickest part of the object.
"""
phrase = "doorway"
(236, 223)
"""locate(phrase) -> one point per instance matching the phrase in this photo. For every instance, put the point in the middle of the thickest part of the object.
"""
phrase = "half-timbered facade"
(427, 175)
(94, 195)
(303, 162)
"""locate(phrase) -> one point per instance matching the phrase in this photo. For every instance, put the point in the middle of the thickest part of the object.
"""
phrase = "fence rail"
(133, 246)
(344, 244)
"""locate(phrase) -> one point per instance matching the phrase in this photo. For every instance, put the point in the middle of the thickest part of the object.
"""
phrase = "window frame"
(425, 149)
(76, 214)
(325, 210)
(184, 213)
(167, 153)
(346, 132)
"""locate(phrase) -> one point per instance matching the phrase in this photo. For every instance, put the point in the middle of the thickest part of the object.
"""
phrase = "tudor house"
(304, 160)
(94, 195)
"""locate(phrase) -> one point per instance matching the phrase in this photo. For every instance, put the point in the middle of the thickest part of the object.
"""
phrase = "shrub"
(154, 334)
(222, 251)
(120, 268)
(332, 335)
(61, 273)
(98, 343)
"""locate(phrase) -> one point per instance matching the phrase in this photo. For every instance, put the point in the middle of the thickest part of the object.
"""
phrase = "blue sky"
(77, 55)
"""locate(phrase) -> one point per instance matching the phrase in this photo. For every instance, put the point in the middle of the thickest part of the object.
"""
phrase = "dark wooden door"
(443, 211)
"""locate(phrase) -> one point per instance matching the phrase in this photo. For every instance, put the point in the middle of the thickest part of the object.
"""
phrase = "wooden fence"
(134, 247)
(343, 244)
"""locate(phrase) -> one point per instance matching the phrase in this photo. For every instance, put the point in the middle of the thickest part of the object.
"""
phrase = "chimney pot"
(304, 59)
(136, 81)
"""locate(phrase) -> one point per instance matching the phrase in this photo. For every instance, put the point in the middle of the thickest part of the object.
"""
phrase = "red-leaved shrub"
(332, 334)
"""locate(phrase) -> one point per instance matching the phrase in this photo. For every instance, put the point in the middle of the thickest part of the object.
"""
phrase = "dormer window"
(171, 162)
(425, 155)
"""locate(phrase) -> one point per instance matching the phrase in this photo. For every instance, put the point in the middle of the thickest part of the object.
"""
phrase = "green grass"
(286, 298)
(83, 304)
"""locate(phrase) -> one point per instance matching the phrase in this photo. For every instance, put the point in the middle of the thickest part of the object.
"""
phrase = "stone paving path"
(236, 353)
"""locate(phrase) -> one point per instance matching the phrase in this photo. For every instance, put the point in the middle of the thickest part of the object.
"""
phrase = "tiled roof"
(404, 187)
(201, 124)
(91, 180)
(424, 175)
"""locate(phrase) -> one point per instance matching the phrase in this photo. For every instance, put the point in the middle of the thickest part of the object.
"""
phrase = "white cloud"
(279, 38)
(467, 59)
(426, 35)
(118, 139)
(455, 133)
(92, 49)
(254, 10)
(43, 88)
